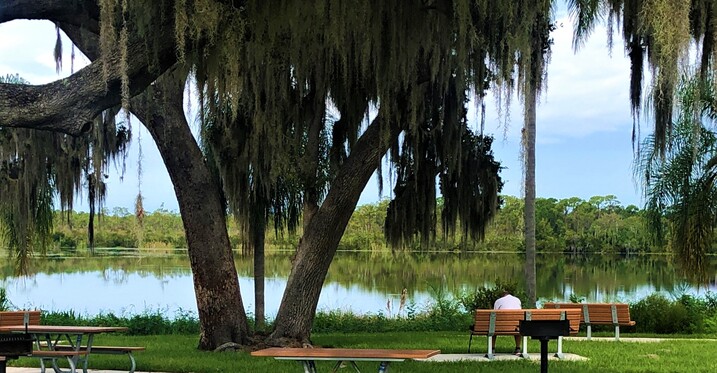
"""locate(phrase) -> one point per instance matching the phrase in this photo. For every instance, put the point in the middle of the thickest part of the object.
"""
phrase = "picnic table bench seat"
(308, 356)
(490, 322)
(108, 350)
(51, 355)
(615, 314)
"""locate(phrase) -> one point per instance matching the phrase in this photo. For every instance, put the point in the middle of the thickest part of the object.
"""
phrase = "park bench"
(615, 314)
(11, 318)
(507, 322)
(308, 356)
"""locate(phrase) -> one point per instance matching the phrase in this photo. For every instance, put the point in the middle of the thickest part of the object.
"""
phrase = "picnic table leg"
(339, 364)
(90, 338)
(309, 366)
(133, 363)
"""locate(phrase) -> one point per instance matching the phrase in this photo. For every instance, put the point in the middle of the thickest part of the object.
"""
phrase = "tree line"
(600, 224)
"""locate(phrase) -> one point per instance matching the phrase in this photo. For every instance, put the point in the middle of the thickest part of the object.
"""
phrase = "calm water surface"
(358, 282)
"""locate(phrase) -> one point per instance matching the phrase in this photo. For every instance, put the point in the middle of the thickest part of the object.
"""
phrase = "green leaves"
(680, 184)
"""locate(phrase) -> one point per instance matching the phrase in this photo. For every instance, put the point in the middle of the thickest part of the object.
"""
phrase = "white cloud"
(27, 49)
(587, 91)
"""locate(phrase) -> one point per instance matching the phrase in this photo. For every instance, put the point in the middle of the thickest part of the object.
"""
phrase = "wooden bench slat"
(55, 353)
(103, 348)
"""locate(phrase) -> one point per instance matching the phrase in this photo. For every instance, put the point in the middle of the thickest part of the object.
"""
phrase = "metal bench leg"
(525, 348)
(590, 329)
(617, 332)
(490, 355)
(469, 343)
(559, 354)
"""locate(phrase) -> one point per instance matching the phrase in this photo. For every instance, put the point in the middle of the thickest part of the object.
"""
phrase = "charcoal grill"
(14, 345)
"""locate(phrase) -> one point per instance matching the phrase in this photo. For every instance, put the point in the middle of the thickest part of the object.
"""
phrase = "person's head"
(504, 293)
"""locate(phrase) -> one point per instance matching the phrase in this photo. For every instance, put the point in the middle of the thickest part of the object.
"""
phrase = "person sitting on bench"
(509, 302)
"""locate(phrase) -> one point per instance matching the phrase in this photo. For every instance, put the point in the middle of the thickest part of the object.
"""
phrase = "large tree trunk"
(216, 285)
(321, 238)
(222, 316)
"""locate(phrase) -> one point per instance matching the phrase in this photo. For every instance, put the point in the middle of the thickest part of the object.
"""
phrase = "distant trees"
(571, 225)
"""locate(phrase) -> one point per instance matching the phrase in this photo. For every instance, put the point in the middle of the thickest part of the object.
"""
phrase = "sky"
(584, 123)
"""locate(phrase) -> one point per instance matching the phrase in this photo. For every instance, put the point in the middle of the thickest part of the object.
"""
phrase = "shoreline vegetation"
(656, 314)
(597, 225)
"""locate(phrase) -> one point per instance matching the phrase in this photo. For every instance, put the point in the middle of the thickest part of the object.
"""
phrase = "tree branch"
(82, 13)
(69, 105)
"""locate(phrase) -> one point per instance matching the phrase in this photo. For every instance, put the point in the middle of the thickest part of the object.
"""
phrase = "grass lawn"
(178, 353)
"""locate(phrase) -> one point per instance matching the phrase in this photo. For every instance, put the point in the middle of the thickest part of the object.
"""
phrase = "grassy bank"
(178, 353)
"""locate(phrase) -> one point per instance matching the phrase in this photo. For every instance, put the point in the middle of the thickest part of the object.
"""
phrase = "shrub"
(147, 323)
(484, 297)
(686, 314)
(5, 304)
(648, 312)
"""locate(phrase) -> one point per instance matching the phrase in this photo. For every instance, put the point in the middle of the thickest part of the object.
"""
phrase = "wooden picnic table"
(308, 356)
(61, 341)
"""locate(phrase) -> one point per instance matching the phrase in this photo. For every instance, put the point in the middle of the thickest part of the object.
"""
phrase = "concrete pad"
(37, 369)
(635, 339)
(500, 357)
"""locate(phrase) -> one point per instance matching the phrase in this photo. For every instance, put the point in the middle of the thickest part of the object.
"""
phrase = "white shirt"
(508, 302)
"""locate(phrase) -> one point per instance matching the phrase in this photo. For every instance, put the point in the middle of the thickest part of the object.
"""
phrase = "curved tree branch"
(83, 13)
(69, 105)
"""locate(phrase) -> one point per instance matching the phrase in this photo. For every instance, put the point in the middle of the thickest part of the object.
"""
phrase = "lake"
(130, 282)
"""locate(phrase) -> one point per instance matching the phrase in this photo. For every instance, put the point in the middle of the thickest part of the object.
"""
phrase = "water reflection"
(357, 282)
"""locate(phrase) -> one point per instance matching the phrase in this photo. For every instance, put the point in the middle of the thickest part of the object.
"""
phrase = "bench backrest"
(598, 313)
(507, 321)
(11, 318)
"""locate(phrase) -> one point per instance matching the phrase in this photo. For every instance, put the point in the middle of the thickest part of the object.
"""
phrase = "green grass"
(178, 353)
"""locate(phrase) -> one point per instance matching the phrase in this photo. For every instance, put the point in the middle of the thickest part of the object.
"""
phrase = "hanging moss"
(37, 166)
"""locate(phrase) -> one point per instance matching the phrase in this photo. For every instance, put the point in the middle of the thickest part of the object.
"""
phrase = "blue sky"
(583, 131)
